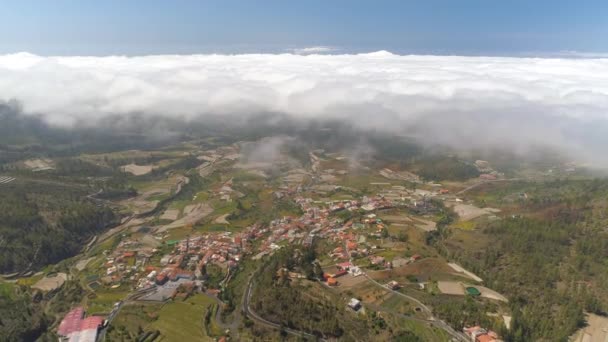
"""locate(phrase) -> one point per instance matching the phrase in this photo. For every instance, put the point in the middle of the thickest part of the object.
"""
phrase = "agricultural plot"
(423, 270)
(82, 264)
(468, 212)
(51, 283)
(491, 294)
(222, 219)
(396, 303)
(37, 165)
(182, 321)
(137, 170)
(191, 215)
(150, 194)
(6, 179)
(457, 288)
(170, 214)
(348, 281)
(425, 225)
(397, 219)
(451, 288)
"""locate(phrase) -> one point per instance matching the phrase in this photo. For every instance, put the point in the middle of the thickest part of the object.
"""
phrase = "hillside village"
(199, 234)
(152, 264)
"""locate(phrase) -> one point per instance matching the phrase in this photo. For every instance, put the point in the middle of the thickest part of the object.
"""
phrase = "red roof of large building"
(92, 322)
(74, 321)
(71, 321)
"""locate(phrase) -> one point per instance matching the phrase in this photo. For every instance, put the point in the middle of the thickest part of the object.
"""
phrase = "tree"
(403, 237)
(384, 233)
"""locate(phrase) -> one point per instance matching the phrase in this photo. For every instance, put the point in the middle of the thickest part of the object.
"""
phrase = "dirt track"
(595, 331)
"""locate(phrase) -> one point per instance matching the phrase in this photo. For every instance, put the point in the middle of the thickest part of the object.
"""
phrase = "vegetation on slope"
(550, 262)
(43, 224)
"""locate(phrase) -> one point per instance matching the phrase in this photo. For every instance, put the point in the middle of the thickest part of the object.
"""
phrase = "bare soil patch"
(451, 288)
(426, 225)
(397, 218)
(137, 170)
(51, 283)
(82, 264)
(39, 164)
(461, 270)
(491, 294)
(595, 331)
(170, 214)
(468, 212)
(222, 219)
(423, 270)
(192, 214)
(348, 281)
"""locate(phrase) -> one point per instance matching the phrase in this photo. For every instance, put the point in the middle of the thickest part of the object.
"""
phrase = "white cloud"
(483, 100)
(313, 50)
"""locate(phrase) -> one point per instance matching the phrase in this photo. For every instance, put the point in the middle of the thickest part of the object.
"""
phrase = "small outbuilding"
(472, 291)
(354, 304)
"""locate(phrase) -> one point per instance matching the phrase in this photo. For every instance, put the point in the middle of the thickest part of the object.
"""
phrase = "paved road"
(410, 298)
(102, 333)
(458, 336)
(438, 323)
(254, 316)
(232, 326)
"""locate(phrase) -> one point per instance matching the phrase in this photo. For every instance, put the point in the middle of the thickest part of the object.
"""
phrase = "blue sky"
(84, 27)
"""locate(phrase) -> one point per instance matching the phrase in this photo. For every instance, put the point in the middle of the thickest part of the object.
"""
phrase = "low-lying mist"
(518, 105)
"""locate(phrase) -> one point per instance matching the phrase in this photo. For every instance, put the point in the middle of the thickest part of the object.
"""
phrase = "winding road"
(254, 316)
(435, 322)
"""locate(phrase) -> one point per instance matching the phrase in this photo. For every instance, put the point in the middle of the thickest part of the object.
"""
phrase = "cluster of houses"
(130, 262)
(486, 170)
(317, 221)
(189, 257)
(125, 262)
(226, 193)
(479, 334)
(341, 269)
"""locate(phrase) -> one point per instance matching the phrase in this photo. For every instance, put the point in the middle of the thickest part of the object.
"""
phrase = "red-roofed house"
(161, 279)
(344, 265)
(479, 334)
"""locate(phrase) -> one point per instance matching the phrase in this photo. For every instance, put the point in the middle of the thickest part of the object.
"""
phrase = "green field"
(6, 289)
(465, 225)
(424, 331)
(105, 299)
(183, 321)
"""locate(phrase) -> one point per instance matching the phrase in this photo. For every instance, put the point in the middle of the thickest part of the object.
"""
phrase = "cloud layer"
(450, 100)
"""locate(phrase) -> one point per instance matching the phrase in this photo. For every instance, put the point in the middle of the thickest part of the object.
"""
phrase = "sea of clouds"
(454, 100)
